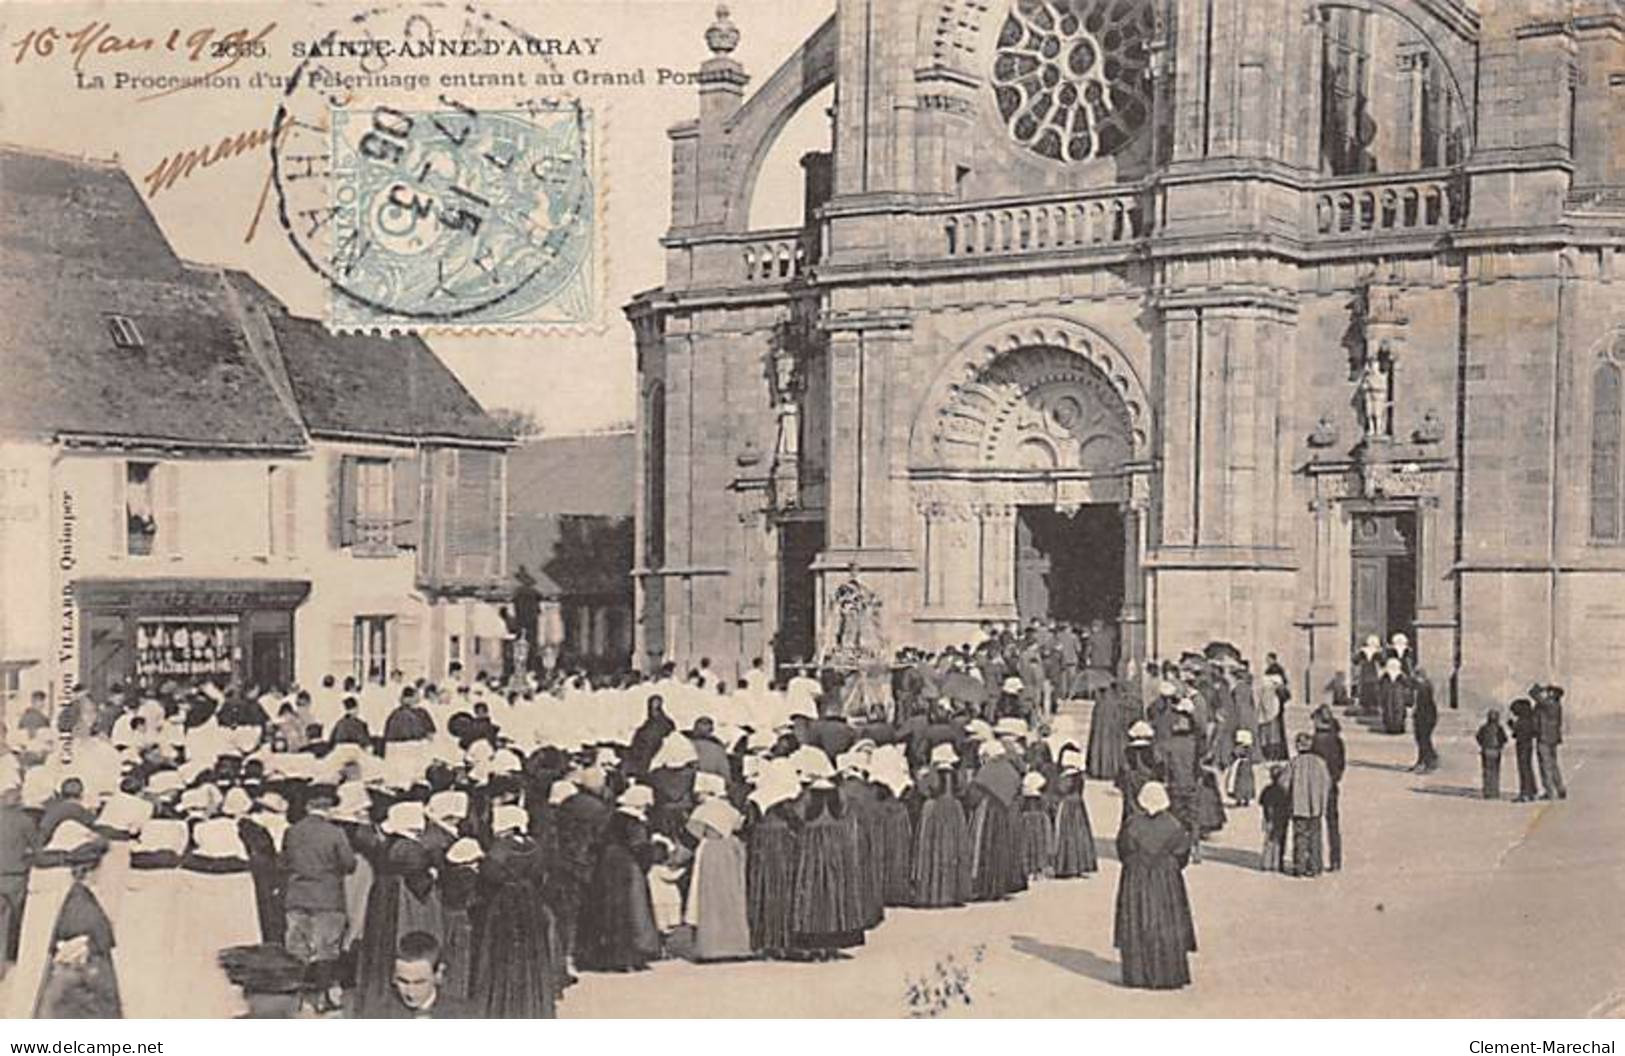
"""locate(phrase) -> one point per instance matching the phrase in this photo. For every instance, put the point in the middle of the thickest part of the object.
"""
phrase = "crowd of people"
(395, 850)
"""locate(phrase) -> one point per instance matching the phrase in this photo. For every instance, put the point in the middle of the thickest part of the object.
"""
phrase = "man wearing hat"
(317, 857)
(1548, 735)
(1310, 784)
(1328, 744)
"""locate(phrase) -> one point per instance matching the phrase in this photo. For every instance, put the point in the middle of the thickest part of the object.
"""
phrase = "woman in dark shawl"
(828, 912)
(403, 899)
(1074, 837)
(897, 845)
(79, 980)
(1037, 844)
(861, 803)
(618, 931)
(264, 865)
(1140, 764)
(942, 850)
(459, 884)
(995, 842)
(1106, 726)
(513, 975)
(771, 854)
(1154, 930)
(647, 738)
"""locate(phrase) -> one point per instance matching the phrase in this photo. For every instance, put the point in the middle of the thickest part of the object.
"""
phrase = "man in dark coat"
(316, 857)
(831, 732)
(409, 721)
(1328, 744)
(351, 728)
(711, 756)
(17, 845)
(1548, 735)
(1424, 718)
(67, 803)
(1523, 743)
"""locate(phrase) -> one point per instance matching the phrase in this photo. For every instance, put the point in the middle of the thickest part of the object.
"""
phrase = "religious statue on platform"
(853, 636)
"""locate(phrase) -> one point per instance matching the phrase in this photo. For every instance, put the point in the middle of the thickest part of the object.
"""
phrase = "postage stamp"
(457, 216)
(475, 206)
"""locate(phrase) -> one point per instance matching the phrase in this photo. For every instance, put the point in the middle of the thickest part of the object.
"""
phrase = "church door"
(1384, 557)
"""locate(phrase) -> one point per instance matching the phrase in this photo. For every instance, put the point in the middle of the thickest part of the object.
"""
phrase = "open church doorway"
(1070, 567)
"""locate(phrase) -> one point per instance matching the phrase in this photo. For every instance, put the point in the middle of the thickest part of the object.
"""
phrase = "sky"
(573, 381)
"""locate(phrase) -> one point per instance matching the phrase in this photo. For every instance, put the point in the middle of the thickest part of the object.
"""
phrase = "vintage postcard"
(856, 509)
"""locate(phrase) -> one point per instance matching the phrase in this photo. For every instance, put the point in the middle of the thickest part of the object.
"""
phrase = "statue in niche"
(1374, 393)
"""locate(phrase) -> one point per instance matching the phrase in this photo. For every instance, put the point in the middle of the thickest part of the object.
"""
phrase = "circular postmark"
(421, 203)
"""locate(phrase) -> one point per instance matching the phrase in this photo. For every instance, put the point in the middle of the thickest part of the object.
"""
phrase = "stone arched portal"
(1030, 479)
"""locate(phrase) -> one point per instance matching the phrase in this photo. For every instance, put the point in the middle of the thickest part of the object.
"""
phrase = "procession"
(885, 509)
(304, 852)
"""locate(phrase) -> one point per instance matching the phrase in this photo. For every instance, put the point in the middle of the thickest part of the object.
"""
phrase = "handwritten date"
(99, 38)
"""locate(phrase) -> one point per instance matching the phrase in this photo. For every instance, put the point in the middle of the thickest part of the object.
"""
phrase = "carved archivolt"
(1039, 396)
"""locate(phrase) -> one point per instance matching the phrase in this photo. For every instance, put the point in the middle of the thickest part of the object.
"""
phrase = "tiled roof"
(361, 385)
(590, 473)
(570, 513)
(77, 245)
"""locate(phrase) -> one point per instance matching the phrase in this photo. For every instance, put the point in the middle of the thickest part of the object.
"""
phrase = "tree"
(521, 423)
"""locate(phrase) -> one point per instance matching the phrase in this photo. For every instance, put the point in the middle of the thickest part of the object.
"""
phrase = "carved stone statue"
(1372, 394)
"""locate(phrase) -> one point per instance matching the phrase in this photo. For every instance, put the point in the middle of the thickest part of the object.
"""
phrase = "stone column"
(997, 592)
(1132, 636)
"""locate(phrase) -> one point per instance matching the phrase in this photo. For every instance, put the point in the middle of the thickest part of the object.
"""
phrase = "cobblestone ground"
(1448, 906)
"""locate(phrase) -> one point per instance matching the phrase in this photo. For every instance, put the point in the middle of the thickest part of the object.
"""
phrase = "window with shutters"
(373, 503)
(140, 508)
(371, 636)
(475, 514)
(1606, 439)
(280, 511)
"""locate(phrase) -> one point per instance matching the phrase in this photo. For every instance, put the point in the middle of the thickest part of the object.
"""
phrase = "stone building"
(198, 485)
(1277, 321)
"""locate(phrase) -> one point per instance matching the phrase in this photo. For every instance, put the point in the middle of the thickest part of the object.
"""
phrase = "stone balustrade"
(1040, 227)
(776, 256)
(1361, 207)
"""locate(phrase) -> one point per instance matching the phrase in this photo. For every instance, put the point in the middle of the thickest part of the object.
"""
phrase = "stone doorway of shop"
(1069, 567)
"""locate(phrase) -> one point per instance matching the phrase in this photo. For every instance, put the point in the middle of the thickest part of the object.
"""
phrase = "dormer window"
(125, 335)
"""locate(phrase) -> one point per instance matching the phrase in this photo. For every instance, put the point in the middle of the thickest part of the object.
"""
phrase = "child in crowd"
(1491, 739)
(1276, 809)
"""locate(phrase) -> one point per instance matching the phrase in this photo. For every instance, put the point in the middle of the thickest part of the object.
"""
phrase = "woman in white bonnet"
(1154, 930)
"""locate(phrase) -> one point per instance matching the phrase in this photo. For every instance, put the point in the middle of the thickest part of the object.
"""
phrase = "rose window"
(1071, 77)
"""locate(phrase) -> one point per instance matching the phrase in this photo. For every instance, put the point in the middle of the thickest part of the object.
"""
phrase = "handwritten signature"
(96, 38)
(180, 165)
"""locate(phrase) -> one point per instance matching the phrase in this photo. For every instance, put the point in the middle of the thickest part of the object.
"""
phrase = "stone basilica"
(1275, 321)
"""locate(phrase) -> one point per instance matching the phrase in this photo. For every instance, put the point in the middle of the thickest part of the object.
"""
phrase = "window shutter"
(343, 484)
(341, 650)
(169, 507)
(406, 651)
(408, 512)
(498, 508)
(118, 545)
(290, 509)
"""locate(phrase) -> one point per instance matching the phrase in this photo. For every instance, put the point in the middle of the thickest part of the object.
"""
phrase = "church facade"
(1273, 321)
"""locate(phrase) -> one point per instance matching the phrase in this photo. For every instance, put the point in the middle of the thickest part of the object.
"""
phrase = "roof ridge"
(115, 162)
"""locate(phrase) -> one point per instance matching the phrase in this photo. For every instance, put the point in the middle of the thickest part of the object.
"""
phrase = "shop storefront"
(145, 632)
